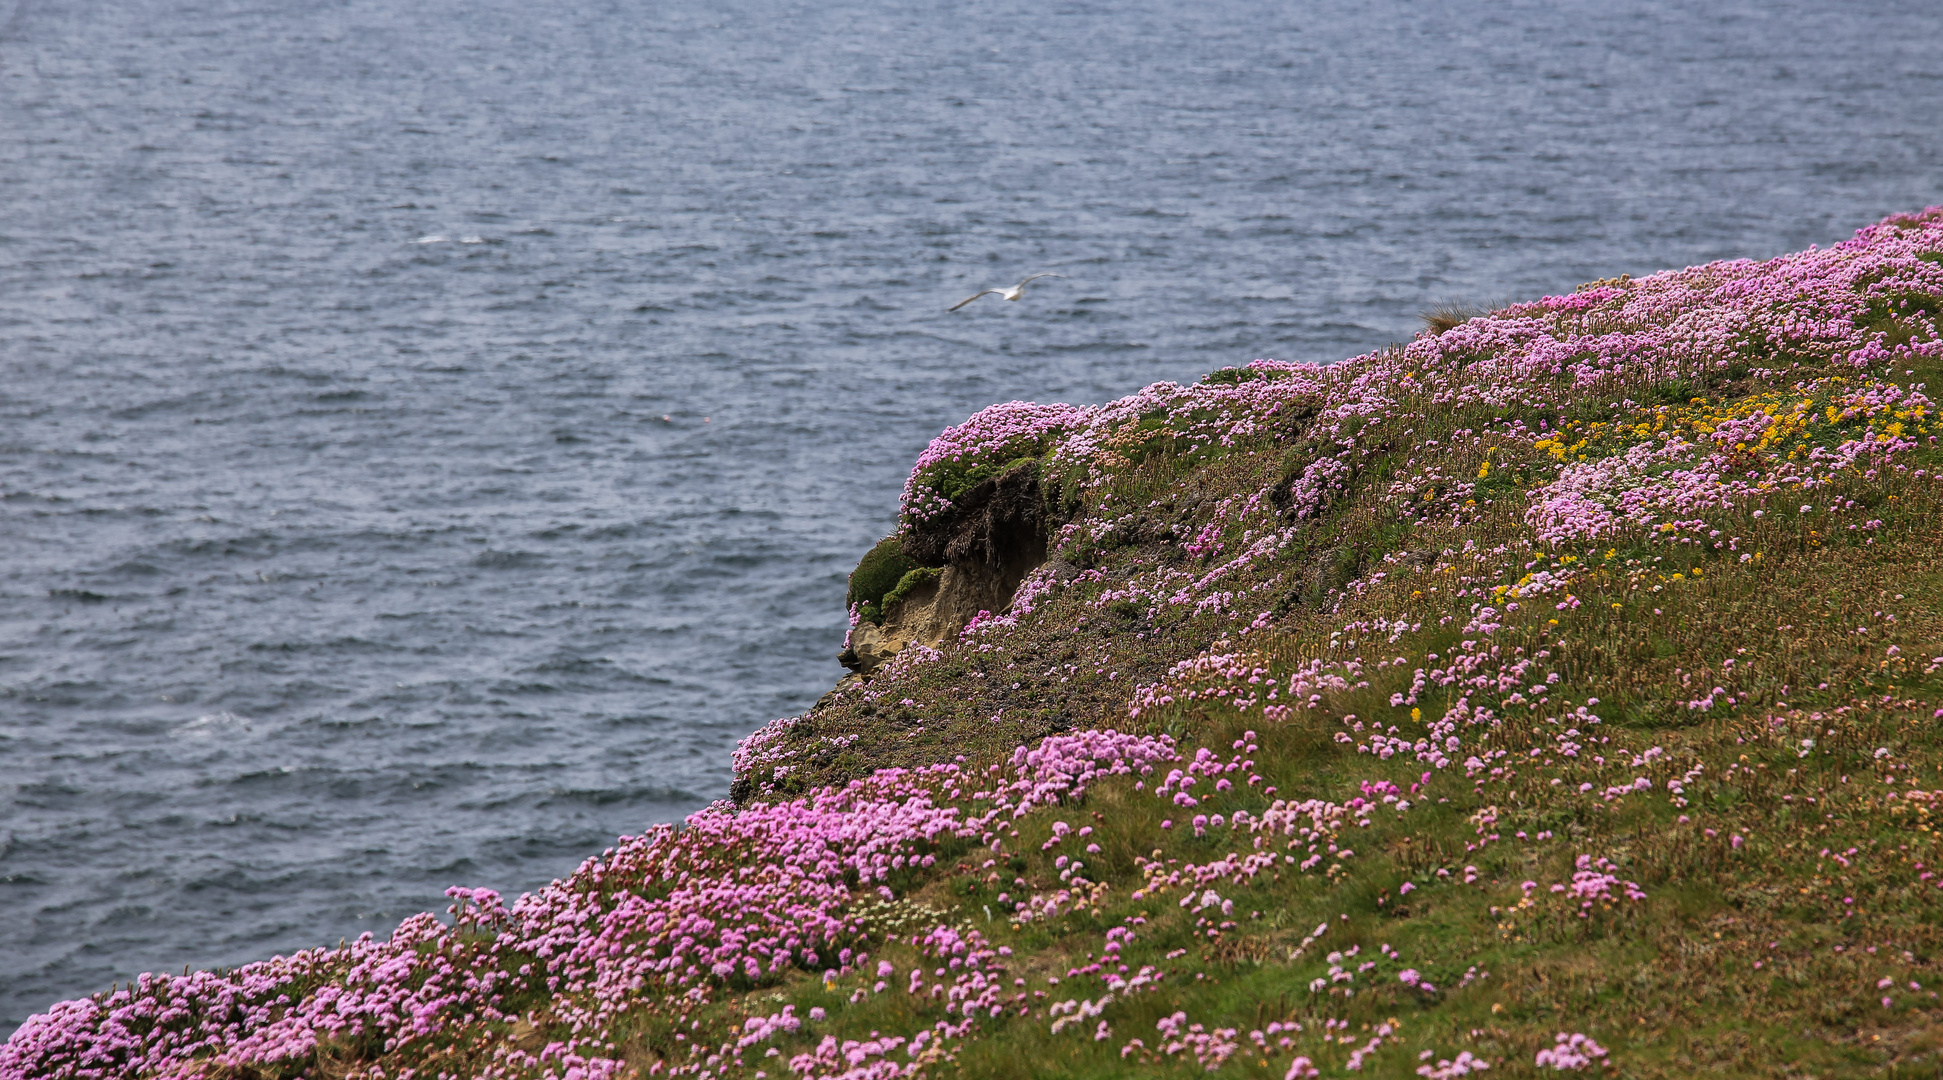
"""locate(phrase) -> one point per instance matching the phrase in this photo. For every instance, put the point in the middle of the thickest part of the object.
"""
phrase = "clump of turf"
(911, 582)
(885, 575)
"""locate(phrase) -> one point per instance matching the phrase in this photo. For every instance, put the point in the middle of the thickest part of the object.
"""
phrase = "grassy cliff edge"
(1556, 692)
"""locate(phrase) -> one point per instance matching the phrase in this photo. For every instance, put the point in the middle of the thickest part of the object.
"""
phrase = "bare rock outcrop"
(931, 614)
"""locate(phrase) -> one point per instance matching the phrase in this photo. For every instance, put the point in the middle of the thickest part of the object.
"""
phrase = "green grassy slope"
(1785, 879)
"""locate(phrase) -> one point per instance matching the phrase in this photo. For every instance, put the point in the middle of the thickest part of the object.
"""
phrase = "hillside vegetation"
(1558, 691)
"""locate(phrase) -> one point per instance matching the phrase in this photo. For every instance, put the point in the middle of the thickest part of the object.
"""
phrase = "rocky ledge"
(983, 545)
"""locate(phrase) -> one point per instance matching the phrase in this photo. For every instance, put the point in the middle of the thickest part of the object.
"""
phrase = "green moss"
(880, 572)
(950, 479)
(952, 482)
(885, 576)
(1233, 376)
(910, 583)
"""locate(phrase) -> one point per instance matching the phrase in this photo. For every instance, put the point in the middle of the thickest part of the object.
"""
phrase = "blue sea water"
(431, 434)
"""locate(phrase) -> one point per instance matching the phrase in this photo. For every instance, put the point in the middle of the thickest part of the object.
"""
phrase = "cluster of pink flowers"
(1464, 1064)
(994, 434)
(1312, 826)
(734, 898)
(1210, 1048)
(1241, 681)
(1729, 468)
(854, 1059)
(1213, 1047)
(1593, 882)
(1570, 1053)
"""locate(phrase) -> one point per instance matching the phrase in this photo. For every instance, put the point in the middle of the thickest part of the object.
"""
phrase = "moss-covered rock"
(909, 583)
(881, 572)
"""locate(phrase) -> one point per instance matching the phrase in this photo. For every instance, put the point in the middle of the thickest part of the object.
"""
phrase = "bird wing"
(1036, 277)
(972, 297)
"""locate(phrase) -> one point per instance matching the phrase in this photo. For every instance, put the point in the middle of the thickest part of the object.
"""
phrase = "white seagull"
(1012, 293)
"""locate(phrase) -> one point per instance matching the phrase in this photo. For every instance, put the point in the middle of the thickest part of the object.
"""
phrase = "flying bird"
(1012, 293)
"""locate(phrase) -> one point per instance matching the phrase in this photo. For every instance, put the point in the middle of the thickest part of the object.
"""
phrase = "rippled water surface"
(432, 433)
